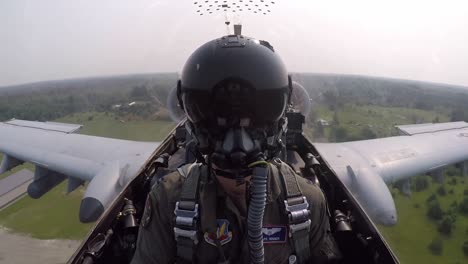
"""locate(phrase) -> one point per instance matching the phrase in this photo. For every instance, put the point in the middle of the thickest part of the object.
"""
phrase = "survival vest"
(296, 207)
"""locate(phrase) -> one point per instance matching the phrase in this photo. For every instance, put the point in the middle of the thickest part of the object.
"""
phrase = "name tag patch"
(274, 234)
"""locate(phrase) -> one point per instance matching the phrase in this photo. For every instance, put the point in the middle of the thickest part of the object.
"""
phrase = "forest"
(54, 99)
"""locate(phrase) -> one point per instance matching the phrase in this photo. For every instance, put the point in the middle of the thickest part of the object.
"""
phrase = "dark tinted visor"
(232, 102)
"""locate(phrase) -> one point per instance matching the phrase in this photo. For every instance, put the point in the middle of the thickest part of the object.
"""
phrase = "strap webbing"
(302, 245)
(290, 184)
(297, 209)
(186, 211)
(189, 194)
(185, 250)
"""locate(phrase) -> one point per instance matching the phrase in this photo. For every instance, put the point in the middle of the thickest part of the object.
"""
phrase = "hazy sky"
(56, 39)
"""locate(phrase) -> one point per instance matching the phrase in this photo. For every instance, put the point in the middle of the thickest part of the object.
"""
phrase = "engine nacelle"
(102, 189)
(373, 194)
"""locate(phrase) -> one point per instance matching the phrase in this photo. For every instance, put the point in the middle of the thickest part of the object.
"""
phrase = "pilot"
(238, 203)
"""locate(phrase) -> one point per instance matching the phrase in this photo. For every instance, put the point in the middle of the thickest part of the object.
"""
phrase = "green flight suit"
(156, 242)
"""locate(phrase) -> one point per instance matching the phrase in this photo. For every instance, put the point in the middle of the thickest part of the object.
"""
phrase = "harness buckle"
(298, 215)
(185, 217)
(297, 212)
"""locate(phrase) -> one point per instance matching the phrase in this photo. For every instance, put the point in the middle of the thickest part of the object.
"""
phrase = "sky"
(408, 39)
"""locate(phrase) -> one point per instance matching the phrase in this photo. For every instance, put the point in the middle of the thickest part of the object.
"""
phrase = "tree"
(436, 246)
(318, 130)
(431, 198)
(368, 133)
(339, 134)
(336, 120)
(465, 248)
(457, 115)
(434, 210)
(420, 183)
(453, 181)
(312, 116)
(463, 206)
(445, 226)
(139, 92)
(452, 171)
(441, 191)
(454, 205)
(331, 99)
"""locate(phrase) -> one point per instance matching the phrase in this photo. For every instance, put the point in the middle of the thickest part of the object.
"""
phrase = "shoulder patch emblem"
(222, 233)
(146, 218)
(274, 234)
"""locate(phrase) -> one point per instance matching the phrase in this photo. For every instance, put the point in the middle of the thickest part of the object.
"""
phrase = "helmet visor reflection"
(233, 102)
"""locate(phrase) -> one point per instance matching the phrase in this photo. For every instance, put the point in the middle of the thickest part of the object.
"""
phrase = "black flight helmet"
(234, 82)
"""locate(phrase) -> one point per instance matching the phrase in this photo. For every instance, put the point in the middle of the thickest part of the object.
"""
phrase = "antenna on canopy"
(227, 22)
(238, 29)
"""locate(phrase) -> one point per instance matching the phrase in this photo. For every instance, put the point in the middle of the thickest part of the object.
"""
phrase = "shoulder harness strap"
(297, 210)
(187, 213)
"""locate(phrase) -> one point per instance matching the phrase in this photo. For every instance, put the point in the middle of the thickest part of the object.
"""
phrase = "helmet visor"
(232, 101)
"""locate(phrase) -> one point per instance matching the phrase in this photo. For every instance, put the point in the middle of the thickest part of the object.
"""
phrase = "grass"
(380, 119)
(109, 125)
(410, 237)
(55, 215)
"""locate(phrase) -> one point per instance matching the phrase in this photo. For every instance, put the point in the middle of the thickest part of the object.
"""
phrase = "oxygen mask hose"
(258, 193)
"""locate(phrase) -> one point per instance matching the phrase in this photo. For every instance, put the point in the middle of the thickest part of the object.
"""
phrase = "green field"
(55, 215)
(379, 119)
(410, 237)
(109, 125)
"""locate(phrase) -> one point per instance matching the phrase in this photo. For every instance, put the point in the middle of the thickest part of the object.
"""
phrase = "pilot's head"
(234, 91)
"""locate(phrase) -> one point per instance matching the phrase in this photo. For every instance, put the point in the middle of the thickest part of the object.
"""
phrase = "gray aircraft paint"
(108, 164)
(365, 166)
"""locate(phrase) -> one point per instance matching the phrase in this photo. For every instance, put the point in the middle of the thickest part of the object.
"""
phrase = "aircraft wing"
(366, 166)
(108, 164)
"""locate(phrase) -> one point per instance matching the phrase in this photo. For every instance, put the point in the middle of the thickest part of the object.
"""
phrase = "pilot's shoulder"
(171, 184)
(309, 189)
(171, 181)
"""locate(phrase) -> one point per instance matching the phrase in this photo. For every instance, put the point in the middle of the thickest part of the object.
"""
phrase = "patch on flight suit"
(274, 234)
(146, 218)
(222, 233)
